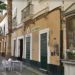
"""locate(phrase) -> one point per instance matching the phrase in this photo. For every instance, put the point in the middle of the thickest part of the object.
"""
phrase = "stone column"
(64, 37)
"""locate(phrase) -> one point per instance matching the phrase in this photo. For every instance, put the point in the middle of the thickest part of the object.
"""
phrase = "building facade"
(4, 26)
(39, 33)
(37, 37)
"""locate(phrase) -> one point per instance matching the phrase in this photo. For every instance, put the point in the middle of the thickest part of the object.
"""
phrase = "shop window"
(71, 34)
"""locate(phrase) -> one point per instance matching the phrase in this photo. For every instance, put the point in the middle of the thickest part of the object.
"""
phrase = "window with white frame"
(70, 33)
(28, 46)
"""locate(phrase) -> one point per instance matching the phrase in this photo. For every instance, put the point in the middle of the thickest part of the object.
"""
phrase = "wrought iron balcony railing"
(27, 12)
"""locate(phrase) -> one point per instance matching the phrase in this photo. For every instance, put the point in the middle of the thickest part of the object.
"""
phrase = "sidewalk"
(34, 70)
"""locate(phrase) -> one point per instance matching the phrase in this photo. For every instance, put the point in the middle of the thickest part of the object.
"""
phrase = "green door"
(28, 49)
(43, 48)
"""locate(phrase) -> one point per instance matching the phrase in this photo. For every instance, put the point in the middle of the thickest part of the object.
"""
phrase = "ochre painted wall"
(51, 21)
(18, 32)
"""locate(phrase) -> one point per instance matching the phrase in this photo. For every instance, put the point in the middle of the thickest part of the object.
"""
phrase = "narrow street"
(37, 37)
(26, 70)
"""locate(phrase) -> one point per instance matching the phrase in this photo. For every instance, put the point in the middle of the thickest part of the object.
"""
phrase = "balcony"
(27, 13)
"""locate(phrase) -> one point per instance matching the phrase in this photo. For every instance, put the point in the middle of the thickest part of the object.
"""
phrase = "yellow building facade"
(37, 41)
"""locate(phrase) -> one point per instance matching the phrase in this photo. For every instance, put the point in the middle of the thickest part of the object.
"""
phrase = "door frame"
(0, 47)
(29, 35)
(18, 48)
(12, 43)
(46, 30)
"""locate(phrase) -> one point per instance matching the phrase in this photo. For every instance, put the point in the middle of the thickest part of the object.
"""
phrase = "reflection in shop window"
(71, 33)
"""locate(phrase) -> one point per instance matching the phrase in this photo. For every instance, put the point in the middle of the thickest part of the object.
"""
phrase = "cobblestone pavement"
(25, 71)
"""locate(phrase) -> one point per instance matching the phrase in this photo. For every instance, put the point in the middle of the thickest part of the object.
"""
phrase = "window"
(71, 33)
(14, 22)
(28, 46)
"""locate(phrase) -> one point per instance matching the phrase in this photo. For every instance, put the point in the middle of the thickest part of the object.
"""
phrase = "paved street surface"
(26, 71)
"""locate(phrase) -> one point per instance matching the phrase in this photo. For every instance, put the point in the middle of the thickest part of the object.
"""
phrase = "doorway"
(44, 52)
(5, 48)
(14, 47)
(21, 48)
(43, 45)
